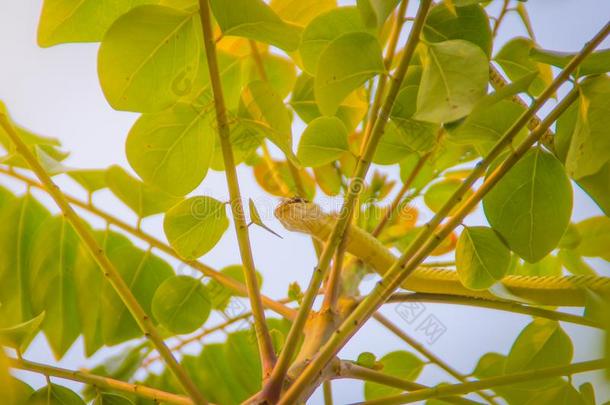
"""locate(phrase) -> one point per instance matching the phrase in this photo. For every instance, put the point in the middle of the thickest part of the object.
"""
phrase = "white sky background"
(55, 92)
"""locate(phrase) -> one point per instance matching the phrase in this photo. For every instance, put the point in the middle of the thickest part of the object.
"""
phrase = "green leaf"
(518, 206)
(351, 111)
(481, 258)
(344, 65)
(596, 63)
(598, 187)
(54, 394)
(220, 294)
(143, 199)
(20, 218)
(194, 226)
(111, 399)
(262, 107)
(563, 394)
(329, 179)
(323, 141)
(574, 263)
(469, 23)
(454, 78)
(146, 56)
(399, 364)
(439, 193)
(301, 12)
(20, 336)
(64, 21)
(16, 391)
(548, 266)
(402, 138)
(255, 20)
(246, 136)
(256, 219)
(367, 359)
(181, 304)
(325, 28)
(53, 286)
(143, 272)
(541, 344)
(594, 237)
(375, 12)
(515, 61)
(241, 353)
(90, 179)
(280, 72)
(589, 148)
(173, 149)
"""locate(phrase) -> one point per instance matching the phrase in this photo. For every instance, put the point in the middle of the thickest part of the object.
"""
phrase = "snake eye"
(297, 199)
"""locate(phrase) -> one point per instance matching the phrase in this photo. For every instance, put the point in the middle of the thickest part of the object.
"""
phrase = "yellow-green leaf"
(194, 226)
(64, 21)
(455, 76)
(54, 394)
(181, 304)
(255, 20)
(401, 364)
(519, 207)
(481, 258)
(323, 141)
(344, 65)
(301, 12)
(375, 12)
(173, 149)
(147, 55)
(90, 179)
(19, 336)
(594, 237)
(596, 63)
(111, 399)
(256, 219)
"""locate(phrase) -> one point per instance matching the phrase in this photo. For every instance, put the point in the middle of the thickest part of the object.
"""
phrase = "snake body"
(306, 217)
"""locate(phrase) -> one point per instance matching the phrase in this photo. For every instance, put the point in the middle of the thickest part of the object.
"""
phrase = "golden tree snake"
(307, 217)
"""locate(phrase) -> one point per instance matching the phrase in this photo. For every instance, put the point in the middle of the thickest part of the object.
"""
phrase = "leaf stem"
(426, 353)
(110, 272)
(265, 344)
(417, 251)
(100, 382)
(227, 281)
(355, 188)
(487, 383)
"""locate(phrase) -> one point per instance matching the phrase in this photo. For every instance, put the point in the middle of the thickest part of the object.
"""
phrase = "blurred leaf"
(375, 12)
(344, 65)
(255, 20)
(143, 199)
(300, 12)
(111, 399)
(548, 266)
(439, 193)
(366, 359)
(145, 57)
(598, 187)
(19, 336)
(194, 226)
(181, 304)
(329, 179)
(90, 179)
(267, 180)
(514, 58)
(399, 364)
(530, 226)
(172, 150)
(594, 237)
(85, 21)
(455, 77)
(54, 394)
(246, 136)
(322, 142)
(220, 295)
(574, 263)
(280, 72)
(481, 258)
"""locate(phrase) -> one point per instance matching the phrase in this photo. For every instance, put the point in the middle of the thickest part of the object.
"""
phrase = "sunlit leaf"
(598, 187)
(181, 304)
(594, 237)
(111, 399)
(344, 65)
(518, 209)
(325, 28)
(439, 193)
(64, 21)
(323, 141)
(515, 60)
(300, 12)
(329, 179)
(278, 180)
(280, 72)
(256, 20)
(469, 23)
(402, 138)
(220, 294)
(19, 336)
(194, 226)
(242, 354)
(146, 56)
(481, 258)
(90, 179)
(399, 364)
(574, 263)
(454, 78)
(173, 149)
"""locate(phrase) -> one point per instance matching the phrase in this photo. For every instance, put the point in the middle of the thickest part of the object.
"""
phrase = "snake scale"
(306, 217)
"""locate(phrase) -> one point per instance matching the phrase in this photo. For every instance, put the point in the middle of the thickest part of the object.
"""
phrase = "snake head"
(298, 214)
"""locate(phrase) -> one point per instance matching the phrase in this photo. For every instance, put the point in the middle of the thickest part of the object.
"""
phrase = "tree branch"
(265, 344)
